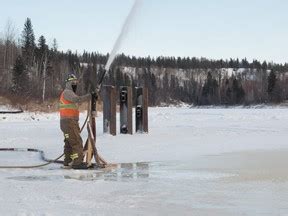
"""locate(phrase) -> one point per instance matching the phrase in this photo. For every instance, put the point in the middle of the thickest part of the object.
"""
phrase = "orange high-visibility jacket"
(68, 109)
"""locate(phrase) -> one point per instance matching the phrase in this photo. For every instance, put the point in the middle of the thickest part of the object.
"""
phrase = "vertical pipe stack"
(126, 110)
(141, 107)
(145, 110)
(109, 109)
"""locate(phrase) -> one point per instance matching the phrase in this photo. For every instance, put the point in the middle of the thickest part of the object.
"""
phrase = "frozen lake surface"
(192, 162)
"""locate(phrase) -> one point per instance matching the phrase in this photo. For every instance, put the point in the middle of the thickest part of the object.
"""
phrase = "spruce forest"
(33, 70)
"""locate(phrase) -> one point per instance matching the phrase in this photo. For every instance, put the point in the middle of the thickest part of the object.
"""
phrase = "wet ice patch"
(130, 172)
(122, 173)
(191, 175)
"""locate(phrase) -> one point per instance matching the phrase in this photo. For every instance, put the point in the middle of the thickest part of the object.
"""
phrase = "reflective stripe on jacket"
(67, 109)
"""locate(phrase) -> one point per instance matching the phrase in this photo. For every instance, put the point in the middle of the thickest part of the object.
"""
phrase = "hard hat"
(71, 77)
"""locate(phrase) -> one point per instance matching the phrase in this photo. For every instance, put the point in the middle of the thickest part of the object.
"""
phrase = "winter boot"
(67, 164)
(81, 166)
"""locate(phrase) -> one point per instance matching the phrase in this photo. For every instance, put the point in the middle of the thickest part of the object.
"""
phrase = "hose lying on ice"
(48, 161)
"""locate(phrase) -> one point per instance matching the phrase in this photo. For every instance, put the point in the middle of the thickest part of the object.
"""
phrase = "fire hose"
(42, 154)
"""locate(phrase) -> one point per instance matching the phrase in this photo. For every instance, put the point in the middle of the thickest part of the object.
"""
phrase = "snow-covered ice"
(193, 162)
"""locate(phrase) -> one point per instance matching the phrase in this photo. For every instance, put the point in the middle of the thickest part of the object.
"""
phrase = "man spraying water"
(69, 124)
(69, 113)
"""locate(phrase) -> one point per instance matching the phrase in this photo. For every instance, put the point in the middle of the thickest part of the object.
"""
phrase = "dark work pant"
(73, 148)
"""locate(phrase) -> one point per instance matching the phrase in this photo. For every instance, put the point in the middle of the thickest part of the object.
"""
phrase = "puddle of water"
(231, 167)
(123, 172)
(131, 172)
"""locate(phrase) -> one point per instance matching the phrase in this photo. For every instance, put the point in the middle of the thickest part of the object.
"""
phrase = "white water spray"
(124, 31)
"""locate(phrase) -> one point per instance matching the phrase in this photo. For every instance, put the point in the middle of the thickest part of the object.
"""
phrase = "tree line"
(32, 69)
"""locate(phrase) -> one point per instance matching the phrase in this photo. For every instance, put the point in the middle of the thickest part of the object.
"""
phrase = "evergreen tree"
(264, 65)
(20, 77)
(245, 63)
(238, 92)
(41, 52)
(272, 93)
(42, 46)
(28, 43)
(209, 90)
(231, 63)
(271, 82)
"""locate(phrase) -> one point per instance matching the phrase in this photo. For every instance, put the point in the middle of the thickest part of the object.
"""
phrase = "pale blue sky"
(209, 28)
